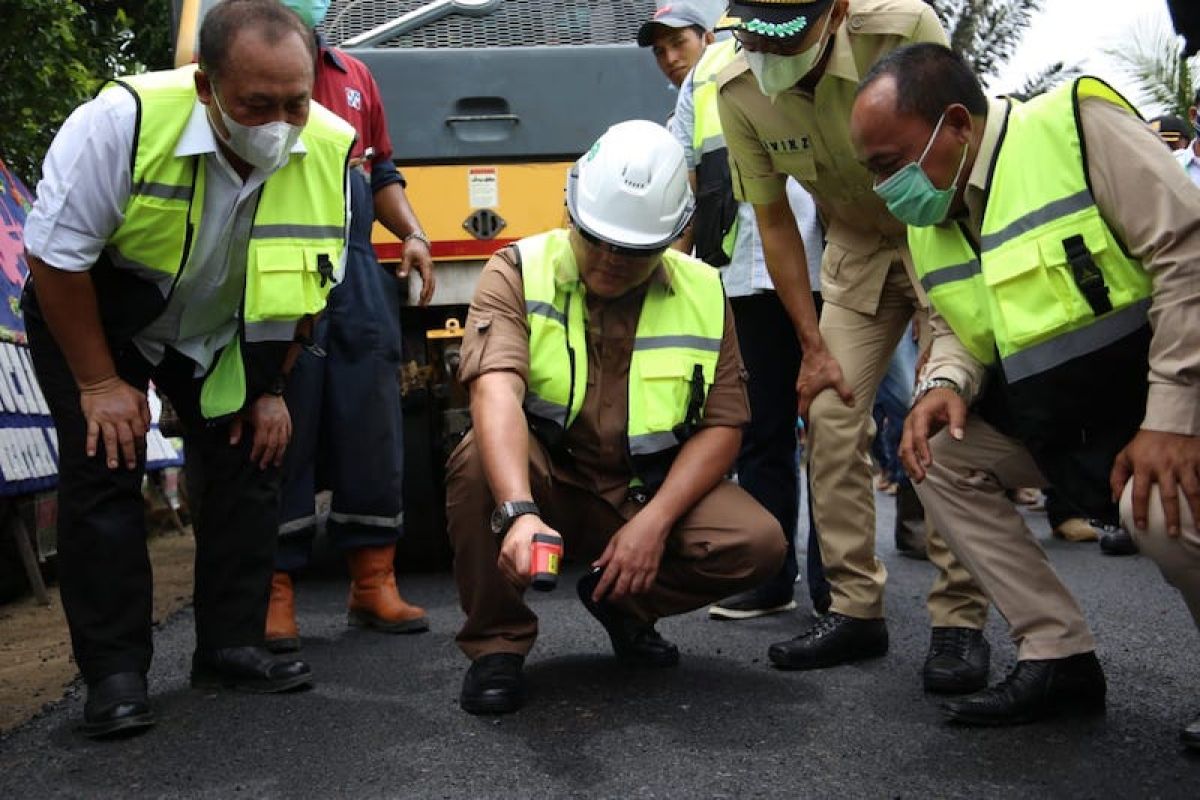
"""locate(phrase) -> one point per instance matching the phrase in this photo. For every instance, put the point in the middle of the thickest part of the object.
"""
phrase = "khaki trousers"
(1178, 558)
(726, 544)
(964, 493)
(839, 467)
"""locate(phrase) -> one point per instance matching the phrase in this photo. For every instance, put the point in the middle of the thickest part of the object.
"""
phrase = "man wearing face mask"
(785, 111)
(1189, 156)
(723, 233)
(187, 224)
(344, 388)
(608, 398)
(1059, 244)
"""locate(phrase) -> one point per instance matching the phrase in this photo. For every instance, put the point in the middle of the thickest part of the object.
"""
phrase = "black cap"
(1172, 130)
(773, 18)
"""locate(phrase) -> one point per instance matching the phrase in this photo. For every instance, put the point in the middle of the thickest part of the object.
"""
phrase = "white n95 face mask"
(265, 146)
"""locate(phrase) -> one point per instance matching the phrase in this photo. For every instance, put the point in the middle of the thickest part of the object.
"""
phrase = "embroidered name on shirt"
(789, 145)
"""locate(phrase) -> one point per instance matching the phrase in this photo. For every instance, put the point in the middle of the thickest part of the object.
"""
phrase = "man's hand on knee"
(937, 409)
(1170, 460)
(631, 560)
(819, 371)
(118, 415)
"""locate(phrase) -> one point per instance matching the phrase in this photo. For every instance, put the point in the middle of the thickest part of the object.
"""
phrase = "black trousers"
(766, 464)
(104, 568)
(1076, 418)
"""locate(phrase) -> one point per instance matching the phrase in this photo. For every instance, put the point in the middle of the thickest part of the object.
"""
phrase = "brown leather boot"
(282, 636)
(374, 600)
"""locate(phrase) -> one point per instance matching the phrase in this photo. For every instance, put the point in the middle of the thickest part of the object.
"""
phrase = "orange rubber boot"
(374, 600)
(282, 636)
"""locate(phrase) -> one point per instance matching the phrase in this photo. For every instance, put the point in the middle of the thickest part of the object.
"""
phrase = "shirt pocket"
(800, 164)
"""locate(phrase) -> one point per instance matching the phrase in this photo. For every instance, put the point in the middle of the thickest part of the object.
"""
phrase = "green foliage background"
(55, 54)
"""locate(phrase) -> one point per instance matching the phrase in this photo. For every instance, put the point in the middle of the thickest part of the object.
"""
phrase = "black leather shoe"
(1116, 541)
(833, 639)
(116, 706)
(957, 662)
(1036, 690)
(634, 642)
(494, 685)
(248, 669)
(1190, 734)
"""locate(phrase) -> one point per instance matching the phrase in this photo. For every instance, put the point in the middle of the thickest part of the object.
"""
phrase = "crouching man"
(608, 397)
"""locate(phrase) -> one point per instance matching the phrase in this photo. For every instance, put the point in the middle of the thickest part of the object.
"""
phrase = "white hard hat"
(631, 189)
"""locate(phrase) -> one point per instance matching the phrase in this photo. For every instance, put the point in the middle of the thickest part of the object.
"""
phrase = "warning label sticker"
(483, 187)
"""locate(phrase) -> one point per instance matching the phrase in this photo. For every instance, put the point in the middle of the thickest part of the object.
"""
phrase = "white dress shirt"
(1190, 161)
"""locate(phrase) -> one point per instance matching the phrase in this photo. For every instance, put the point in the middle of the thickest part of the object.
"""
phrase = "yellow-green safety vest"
(1050, 281)
(296, 240)
(676, 347)
(715, 224)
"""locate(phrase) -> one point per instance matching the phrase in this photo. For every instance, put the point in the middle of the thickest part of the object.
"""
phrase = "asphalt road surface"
(383, 719)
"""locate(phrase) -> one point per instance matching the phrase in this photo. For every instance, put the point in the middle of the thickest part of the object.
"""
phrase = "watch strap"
(511, 509)
(929, 384)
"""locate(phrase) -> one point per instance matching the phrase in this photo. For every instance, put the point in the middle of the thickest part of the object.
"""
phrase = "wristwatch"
(419, 235)
(929, 384)
(278, 386)
(506, 514)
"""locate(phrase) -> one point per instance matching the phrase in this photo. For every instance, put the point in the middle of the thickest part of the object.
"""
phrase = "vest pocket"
(960, 303)
(1033, 292)
(153, 234)
(664, 390)
(284, 282)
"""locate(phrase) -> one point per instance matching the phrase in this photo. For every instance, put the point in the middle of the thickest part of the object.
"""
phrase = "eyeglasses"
(616, 249)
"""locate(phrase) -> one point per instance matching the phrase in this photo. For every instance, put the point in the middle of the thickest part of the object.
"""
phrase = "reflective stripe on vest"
(680, 328)
(708, 140)
(1051, 281)
(296, 240)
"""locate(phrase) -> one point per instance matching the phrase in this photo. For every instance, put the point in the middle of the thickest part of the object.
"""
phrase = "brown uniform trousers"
(840, 473)
(725, 544)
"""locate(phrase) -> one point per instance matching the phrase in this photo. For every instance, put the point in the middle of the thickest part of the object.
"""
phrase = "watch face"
(497, 521)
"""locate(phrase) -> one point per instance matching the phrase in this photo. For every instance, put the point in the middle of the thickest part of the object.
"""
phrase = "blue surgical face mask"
(311, 11)
(911, 196)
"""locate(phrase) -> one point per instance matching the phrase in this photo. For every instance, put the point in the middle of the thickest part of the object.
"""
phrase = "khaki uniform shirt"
(497, 340)
(1153, 207)
(807, 136)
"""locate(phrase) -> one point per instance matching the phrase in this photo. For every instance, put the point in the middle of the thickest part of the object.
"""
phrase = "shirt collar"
(977, 181)
(329, 55)
(1187, 156)
(198, 138)
(841, 61)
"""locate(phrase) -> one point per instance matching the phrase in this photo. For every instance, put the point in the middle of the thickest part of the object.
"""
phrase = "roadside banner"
(28, 442)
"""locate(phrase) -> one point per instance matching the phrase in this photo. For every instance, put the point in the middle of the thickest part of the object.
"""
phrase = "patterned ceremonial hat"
(774, 18)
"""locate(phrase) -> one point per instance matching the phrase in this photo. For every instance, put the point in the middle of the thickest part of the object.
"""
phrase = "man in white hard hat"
(608, 398)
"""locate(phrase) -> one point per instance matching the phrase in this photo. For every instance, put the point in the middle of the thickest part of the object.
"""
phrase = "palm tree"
(1046, 79)
(986, 33)
(1154, 61)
